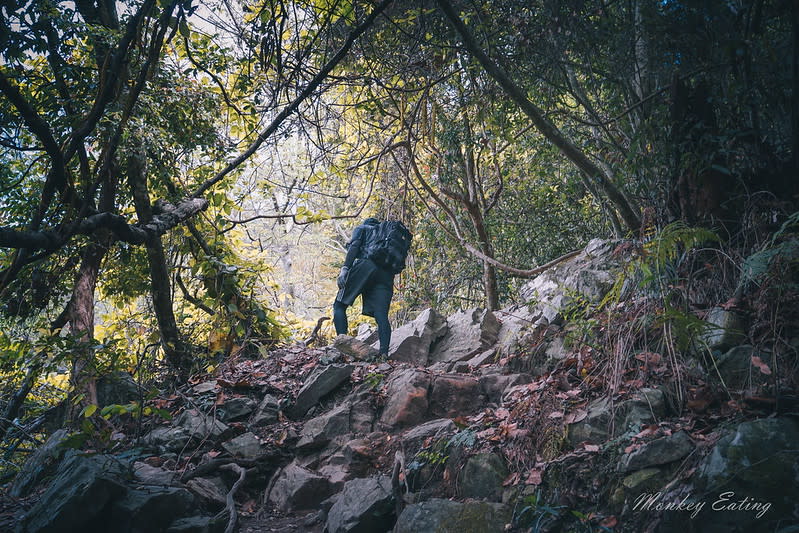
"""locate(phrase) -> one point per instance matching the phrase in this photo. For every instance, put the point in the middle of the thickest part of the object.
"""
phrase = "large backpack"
(387, 245)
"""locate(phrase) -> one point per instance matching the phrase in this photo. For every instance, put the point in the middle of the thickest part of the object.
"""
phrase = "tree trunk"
(175, 349)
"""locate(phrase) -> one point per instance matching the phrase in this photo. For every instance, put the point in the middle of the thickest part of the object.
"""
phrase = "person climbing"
(375, 254)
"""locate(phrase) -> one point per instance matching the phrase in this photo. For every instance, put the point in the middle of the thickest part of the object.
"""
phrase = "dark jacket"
(365, 278)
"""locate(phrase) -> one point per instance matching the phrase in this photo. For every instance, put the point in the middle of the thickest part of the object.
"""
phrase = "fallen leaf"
(609, 522)
(575, 416)
(502, 413)
(512, 479)
(651, 358)
(533, 477)
(592, 448)
(556, 414)
(764, 368)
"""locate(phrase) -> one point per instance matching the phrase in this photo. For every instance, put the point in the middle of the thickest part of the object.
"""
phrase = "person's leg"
(383, 330)
(340, 317)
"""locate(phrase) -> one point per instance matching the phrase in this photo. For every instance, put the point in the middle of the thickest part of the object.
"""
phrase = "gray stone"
(200, 426)
(322, 381)
(266, 413)
(515, 321)
(482, 477)
(454, 395)
(366, 333)
(411, 342)
(149, 508)
(297, 488)
(469, 333)
(446, 516)
(82, 488)
(736, 370)
(152, 475)
(246, 446)
(236, 408)
(494, 385)
(658, 452)
(406, 398)
(365, 505)
(41, 464)
(211, 492)
(481, 359)
(320, 430)
(726, 328)
(117, 388)
(355, 348)
(756, 460)
(198, 524)
(433, 431)
(646, 406)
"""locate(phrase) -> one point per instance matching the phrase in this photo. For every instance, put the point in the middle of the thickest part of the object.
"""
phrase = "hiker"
(375, 254)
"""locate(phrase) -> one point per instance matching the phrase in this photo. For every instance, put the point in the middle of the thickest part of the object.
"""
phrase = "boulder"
(726, 328)
(266, 413)
(433, 431)
(515, 321)
(736, 369)
(355, 348)
(482, 477)
(297, 488)
(446, 516)
(365, 505)
(366, 333)
(322, 381)
(658, 452)
(246, 446)
(411, 342)
(200, 426)
(755, 466)
(453, 395)
(198, 524)
(352, 460)
(41, 464)
(147, 508)
(600, 424)
(406, 398)
(236, 408)
(494, 385)
(320, 430)
(152, 475)
(210, 491)
(82, 488)
(589, 275)
(470, 332)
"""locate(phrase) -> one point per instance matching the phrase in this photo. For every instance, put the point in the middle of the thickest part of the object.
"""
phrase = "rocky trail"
(478, 422)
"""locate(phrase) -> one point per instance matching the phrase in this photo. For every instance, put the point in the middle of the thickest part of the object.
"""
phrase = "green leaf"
(89, 410)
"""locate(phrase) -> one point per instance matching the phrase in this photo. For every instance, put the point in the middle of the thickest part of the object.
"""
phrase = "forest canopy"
(178, 178)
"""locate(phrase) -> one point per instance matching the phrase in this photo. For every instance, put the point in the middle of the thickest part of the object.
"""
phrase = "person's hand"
(342, 277)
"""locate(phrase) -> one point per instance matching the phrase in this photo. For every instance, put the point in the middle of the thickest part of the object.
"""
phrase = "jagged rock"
(152, 475)
(190, 425)
(211, 492)
(198, 524)
(406, 398)
(756, 461)
(646, 406)
(445, 516)
(658, 452)
(354, 459)
(469, 333)
(479, 360)
(515, 321)
(266, 413)
(411, 342)
(648, 480)
(82, 489)
(147, 509)
(322, 381)
(736, 369)
(246, 446)
(434, 430)
(296, 488)
(355, 348)
(236, 408)
(454, 395)
(320, 430)
(366, 333)
(205, 387)
(362, 413)
(482, 477)
(727, 328)
(365, 505)
(590, 274)
(494, 385)
(41, 464)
